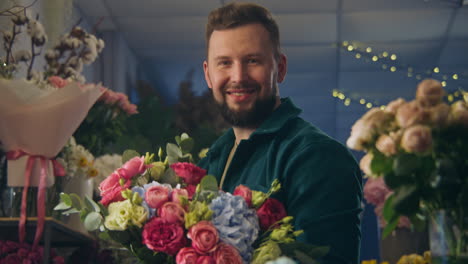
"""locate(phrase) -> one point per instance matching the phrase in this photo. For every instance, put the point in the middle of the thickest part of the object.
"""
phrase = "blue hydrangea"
(236, 223)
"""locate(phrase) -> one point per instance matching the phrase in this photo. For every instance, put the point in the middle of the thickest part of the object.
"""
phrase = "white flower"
(37, 32)
(78, 159)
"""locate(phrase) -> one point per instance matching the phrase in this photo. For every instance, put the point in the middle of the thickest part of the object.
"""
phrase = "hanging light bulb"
(393, 57)
(369, 50)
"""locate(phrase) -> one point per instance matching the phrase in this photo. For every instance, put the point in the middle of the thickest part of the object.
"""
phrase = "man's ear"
(282, 67)
(207, 74)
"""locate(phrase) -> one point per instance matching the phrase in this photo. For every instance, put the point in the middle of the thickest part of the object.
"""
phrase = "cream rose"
(439, 114)
(365, 129)
(417, 139)
(429, 92)
(393, 106)
(410, 114)
(386, 144)
(459, 113)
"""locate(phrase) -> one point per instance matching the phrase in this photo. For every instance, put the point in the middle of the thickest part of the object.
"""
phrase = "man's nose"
(239, 73)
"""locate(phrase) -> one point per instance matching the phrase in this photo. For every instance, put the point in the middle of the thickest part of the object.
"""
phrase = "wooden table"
(56, 234)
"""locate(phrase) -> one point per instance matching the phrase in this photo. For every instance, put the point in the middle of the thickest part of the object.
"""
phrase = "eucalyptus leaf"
(209, 183)
(71, 211)
(92, 205)
(65, 198)
(169, 177)
(184, 136)
(62, 206)
(129, 154)
(76, 201)
(187, 145)
(92, 221)
(177, 139)
(173, 151)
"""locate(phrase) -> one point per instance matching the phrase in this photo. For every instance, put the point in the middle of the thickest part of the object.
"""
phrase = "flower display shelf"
(56, 234)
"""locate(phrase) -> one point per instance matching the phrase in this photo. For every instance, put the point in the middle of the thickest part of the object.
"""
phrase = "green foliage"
(129, 154)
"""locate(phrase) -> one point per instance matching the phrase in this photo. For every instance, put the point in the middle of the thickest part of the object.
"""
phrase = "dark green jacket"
(321, 182)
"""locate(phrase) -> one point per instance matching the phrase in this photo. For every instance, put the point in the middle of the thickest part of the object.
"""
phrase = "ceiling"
(423, 34)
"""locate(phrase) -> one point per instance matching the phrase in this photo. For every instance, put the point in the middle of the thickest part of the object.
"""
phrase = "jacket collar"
(285, 112)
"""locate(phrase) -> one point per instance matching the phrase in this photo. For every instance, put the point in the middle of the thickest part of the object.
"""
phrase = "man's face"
(242, 73)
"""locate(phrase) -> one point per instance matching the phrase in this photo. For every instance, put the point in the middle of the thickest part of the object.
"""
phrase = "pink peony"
(227, 254)
(159, 235)
(376, 191)
(133, 167)
(187, 255)
(206, 260)
(417, 139)
(57, 82)
(172, 212)
(156, 196)
(270, 212)
(204, 237)
(189, 172)
(245, 193)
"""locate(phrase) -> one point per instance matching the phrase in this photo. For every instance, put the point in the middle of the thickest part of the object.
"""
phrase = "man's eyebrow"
(221, 58)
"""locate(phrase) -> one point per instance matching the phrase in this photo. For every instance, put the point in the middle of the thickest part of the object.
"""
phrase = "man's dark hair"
(238, 14)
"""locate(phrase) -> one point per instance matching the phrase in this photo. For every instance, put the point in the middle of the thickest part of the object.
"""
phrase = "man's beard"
(250, 118)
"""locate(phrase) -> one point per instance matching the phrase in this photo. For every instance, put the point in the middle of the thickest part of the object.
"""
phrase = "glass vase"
(448, 240)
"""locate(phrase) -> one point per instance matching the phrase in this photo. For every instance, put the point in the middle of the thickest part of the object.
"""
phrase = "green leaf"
(62, 206)
(169, 177)
(92, 221)
(405, 164)
(393, 181)
(388, 211)
(184, 136)
(71, 211)
(391, 225)
(76, 201)
(65, 198)
(122, 237)
(173, 151)
(129, 154)
(187, 145)
(304, 258)
(381, 164)
(209, 183)
(406, 200)
(83, 214)
(92, 205)
(177, 139)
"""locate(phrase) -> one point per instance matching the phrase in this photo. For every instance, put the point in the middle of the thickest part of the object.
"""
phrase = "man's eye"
(253, 61)
(224, 63)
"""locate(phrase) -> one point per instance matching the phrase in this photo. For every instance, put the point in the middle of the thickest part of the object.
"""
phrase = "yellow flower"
(92, 172)
(268, 251)
(83, 162)
(203, 153)
(139, 215)
(124, 213)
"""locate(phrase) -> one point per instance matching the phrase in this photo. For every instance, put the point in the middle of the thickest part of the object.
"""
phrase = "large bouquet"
(420, 150)
(169, 211)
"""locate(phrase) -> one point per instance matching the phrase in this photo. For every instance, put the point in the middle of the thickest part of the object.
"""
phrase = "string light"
(390, 62)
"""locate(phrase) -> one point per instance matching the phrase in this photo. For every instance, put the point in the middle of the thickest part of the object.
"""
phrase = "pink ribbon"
(58, 171)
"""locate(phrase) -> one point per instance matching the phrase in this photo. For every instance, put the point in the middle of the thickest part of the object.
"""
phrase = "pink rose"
(172, 212)
(57, 82)
(133, 167)
(245, 193)
(109, 97)
(130, 109)
(227, 254)
(187, 255)
(429, 92)
(376, 191)
(204, 237)
(206, 260)
(114, 195)
(417, 139)
(189, 172)
(156, 196)
(159, 235)
(176, 194)
(110, 183)
(191, 189)
(270, 212)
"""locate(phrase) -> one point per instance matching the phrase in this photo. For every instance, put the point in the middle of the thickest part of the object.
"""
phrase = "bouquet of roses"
(170, 211)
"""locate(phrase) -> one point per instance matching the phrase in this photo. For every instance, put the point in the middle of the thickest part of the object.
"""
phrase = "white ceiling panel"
(307, 28)
(314, 58)
(400, 25)
(460, 25)
(145, 32)
(367, 5)
(152, 8)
